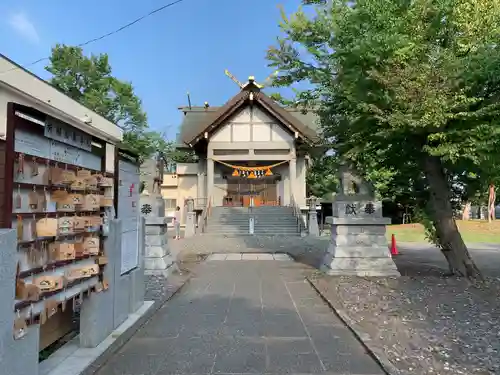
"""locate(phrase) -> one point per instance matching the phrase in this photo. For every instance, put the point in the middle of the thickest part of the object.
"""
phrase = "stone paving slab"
(233, 257)
(265, 256)
(282, 257)
(247, 317)
(248, 256)
(217, 257)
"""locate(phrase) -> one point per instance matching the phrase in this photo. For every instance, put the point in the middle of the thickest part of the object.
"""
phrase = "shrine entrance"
(254, 184)
(246, 192)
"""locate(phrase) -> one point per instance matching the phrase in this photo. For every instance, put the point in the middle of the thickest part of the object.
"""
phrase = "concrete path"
(239, 316)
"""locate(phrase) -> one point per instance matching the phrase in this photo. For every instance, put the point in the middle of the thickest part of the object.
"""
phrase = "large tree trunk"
(441, 211)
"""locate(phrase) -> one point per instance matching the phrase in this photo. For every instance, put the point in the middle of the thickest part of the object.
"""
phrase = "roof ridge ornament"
(251, 80)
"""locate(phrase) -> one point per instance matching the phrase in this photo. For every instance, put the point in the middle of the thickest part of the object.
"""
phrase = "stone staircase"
(269, 221)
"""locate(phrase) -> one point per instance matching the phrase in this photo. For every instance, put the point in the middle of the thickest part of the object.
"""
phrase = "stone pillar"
(210, 178)
(18, 357)
(313, 228)
(190, 204)
(293, 176)
(190, 229)
(157, 258)
(358, 245)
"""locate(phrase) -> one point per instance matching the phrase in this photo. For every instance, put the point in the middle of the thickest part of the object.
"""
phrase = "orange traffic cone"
(394, 249)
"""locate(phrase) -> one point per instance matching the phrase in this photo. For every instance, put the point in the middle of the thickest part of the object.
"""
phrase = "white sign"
(128, 212)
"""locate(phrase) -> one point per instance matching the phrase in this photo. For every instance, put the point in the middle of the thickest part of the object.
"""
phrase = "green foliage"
(399, 81)
(89, 81)
(409, 94)
(277, 97)
(322, 177)
(181, 156)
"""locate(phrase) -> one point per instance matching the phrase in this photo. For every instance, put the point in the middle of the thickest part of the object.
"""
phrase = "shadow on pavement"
(254, 318)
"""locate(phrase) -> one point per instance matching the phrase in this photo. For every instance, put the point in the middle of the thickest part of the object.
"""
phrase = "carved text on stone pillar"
(146, 209)
(369, 208)
(350, 209)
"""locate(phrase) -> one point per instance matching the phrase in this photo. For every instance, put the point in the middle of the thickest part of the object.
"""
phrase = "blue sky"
(184, 48)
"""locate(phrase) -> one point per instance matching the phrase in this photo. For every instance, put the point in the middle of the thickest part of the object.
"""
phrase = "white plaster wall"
(170, 179)
(223, 134)
(261, 132)
(243, 116)
(260, 116)
(252, 125)
(278, 134)
(241, 133)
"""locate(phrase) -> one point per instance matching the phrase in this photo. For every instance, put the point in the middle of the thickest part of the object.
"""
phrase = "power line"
(137, 20)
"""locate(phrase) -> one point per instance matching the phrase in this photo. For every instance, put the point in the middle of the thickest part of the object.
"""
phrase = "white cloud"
(23, 26)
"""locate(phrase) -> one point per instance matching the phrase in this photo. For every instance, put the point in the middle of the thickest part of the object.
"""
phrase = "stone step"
(257, 221)
(246, 219)
(235, 235)
(243, 214)
(245, 227)
(268, 221)
(254, 208)
(257, 225)
(254, 212)
(256, 230)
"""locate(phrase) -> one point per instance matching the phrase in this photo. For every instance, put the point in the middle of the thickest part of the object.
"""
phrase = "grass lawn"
(471, 230)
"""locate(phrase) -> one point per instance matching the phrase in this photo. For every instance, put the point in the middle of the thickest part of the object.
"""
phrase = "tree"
(322, 177)
(409, 93)
(89, 81)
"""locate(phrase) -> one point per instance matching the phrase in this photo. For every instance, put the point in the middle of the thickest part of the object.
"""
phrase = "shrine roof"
(198, 120)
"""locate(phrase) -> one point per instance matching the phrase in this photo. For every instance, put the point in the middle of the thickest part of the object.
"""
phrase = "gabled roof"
(198, 120)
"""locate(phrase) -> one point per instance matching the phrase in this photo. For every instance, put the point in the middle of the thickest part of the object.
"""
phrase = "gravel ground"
(424, 325)
(159, 288)
(156, 288)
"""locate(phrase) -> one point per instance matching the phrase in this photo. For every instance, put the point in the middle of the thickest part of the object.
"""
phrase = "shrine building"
(251, 150)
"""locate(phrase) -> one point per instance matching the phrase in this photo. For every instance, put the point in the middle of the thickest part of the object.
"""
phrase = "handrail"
(297, 214)
(205, 215)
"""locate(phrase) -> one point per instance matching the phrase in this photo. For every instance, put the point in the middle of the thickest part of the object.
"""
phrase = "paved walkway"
(244, 317)
(415, 258)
